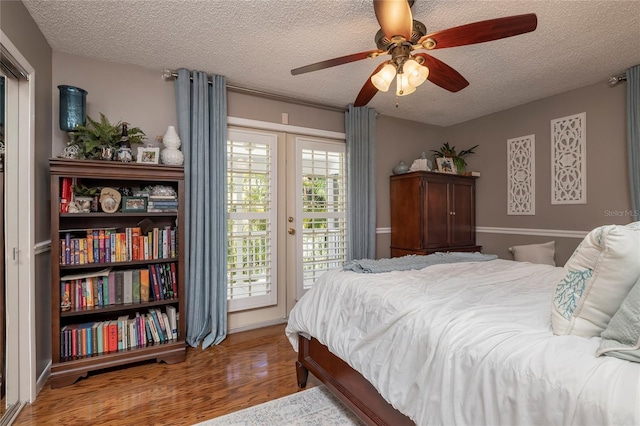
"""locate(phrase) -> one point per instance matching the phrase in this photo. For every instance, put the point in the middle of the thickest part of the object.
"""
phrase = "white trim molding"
(561, 233)
(277, 127)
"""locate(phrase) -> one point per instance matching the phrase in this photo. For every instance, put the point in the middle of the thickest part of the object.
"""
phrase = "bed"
(460, 343)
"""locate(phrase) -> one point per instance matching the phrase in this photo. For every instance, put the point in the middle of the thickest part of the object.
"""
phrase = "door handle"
(291, 231)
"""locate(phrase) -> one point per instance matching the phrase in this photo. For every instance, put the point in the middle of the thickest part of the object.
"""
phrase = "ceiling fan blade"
(394, 17)
(442, 74)
(368, 91)
(337, 61)
(480, 32)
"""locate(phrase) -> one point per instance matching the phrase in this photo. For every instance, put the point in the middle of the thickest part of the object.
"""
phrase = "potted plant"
(457, 157)
(98, 140)
(86, 198)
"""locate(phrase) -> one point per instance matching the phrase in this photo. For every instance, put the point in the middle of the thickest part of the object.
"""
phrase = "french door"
(317, 209)
(287, 217)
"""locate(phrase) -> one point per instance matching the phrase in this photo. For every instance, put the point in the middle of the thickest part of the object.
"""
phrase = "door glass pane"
(323, 205)
(251, 221)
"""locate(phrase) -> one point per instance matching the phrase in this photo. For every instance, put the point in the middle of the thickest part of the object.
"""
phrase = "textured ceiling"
(255, 44)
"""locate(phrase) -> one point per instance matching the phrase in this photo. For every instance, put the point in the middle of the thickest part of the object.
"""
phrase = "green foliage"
(97, 134)
(458, 157)
(84, 191)
(314, 200)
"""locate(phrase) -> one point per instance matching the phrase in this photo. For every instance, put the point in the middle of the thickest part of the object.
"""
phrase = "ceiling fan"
(401, 36)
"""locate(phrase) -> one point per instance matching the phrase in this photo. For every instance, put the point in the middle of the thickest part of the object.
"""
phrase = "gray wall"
(121, 92)
(397, 140)
(22, 31)
(607, 181)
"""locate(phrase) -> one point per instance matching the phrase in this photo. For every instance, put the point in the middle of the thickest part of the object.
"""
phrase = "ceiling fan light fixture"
(403, 86)
(383, 78)
(416, 73)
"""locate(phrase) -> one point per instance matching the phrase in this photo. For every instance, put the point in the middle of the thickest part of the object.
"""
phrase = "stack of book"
(162, 203)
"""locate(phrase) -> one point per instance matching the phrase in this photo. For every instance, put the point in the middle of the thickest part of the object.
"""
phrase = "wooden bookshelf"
(65, 369)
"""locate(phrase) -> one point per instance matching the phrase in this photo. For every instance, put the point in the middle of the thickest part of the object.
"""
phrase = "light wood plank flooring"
(247, 369)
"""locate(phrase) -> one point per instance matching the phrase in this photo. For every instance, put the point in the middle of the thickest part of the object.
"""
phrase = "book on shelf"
(174, 279)
(112, 288)
(119, 279)
(127, 294)
(152, 327)
(65, 194)
(172, 314)
(159, 324)
(100, 273)
(144, 285)
(155, 285)
(167, 324)
(135, 279)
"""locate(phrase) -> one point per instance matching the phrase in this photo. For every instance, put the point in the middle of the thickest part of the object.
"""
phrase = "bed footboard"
(346, 383)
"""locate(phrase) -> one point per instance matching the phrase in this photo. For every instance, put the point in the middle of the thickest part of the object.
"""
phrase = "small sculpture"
(420, 164)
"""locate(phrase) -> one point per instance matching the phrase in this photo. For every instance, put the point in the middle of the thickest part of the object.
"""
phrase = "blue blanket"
(412, 261)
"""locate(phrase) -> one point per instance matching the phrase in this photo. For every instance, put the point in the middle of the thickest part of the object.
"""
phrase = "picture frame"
(134, 204)
(446, 165)
(148, 155)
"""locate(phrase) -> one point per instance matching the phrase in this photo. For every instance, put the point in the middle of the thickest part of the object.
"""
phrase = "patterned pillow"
(596, 279)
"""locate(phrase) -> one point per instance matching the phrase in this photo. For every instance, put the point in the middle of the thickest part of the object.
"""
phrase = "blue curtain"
(202, 126)
(633, 137)
(360, 126)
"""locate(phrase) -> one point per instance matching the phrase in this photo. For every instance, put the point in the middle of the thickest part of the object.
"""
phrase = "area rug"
(315, 406)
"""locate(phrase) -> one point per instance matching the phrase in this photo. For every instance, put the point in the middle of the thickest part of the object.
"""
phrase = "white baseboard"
(42, 379)
(257, 325)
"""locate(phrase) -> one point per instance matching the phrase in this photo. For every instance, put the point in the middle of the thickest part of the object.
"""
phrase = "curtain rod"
(169, 75)
(615, 79)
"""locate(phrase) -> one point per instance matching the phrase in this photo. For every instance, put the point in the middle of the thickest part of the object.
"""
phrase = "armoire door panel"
(463, 230)
(406, 213)
(437, 219)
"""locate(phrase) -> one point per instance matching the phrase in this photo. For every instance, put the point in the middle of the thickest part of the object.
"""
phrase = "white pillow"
(596, 279)
(535, 253)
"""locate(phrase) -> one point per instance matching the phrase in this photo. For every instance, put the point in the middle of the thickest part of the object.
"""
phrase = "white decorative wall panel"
(569, 160)
(521, 171)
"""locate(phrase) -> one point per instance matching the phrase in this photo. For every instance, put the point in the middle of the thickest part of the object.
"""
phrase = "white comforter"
(468, 343)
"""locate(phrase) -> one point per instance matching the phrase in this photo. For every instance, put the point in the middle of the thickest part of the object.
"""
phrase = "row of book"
(106, 287)
(109, 246)
(94, 338)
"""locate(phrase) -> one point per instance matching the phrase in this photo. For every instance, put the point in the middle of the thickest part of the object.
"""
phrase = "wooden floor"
(247, 369)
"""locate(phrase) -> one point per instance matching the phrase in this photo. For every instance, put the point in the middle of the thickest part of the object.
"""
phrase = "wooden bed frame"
(346, 383)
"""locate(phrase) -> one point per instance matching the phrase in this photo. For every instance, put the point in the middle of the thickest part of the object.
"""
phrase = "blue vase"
(73, 107)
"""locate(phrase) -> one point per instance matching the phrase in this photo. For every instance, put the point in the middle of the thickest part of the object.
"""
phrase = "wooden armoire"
(432, 212)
